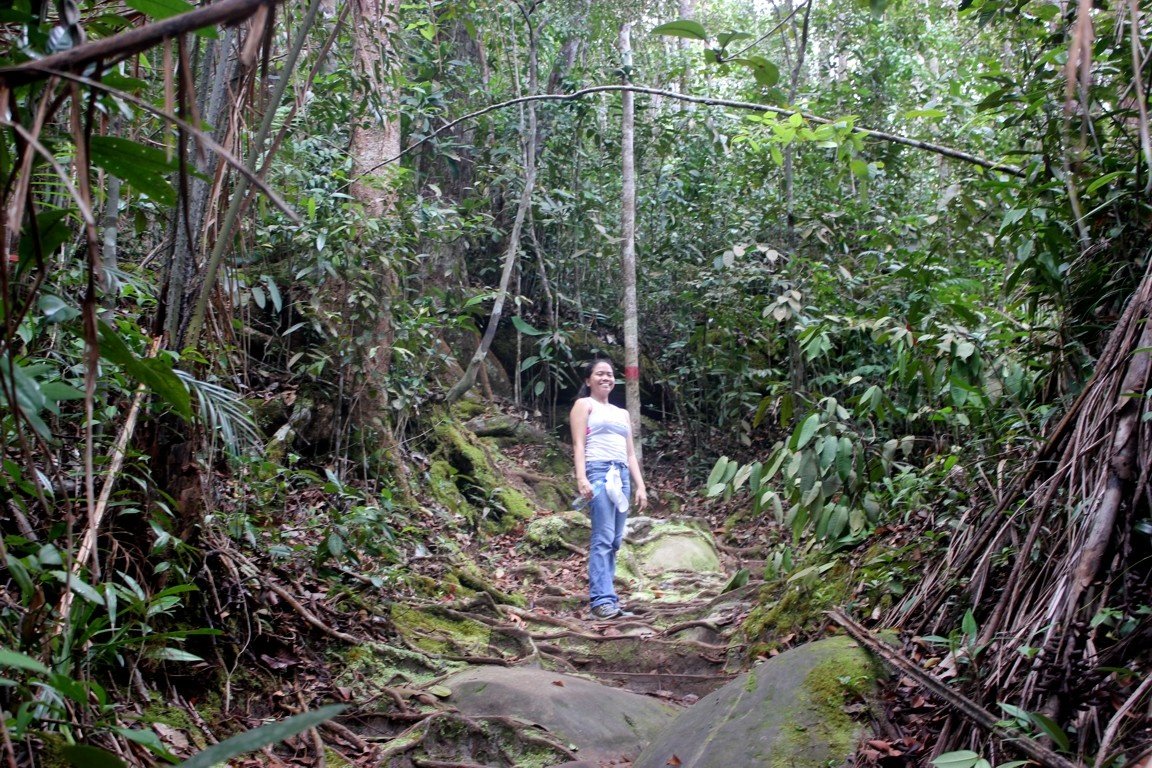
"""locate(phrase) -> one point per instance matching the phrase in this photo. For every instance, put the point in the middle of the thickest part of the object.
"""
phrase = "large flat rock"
(789, 712)
(603, 723)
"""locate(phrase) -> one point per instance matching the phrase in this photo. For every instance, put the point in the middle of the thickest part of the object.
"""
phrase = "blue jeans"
(607, 532)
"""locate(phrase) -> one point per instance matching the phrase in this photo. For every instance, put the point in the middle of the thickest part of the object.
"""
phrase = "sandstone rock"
(789, 712)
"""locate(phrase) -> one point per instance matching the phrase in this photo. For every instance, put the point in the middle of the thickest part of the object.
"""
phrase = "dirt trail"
(527, 608)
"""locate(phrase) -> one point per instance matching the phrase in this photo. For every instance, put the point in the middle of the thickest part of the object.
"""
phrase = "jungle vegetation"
(892, 294)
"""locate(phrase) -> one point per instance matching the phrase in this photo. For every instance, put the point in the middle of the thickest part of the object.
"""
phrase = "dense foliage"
(882, 249)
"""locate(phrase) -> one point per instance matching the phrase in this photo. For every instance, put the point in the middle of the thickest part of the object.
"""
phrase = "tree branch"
(892, 138)
(116, 47)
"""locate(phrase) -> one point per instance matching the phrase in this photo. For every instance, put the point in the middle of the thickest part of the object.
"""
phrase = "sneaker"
(606, 611)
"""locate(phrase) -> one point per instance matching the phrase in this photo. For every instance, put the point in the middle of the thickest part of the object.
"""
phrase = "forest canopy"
(876, 274)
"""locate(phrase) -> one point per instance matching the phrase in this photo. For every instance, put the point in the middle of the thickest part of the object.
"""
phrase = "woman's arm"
(637, 478)
(578, 421)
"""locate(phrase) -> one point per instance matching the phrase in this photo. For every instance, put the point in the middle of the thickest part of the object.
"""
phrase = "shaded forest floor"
(376, 616)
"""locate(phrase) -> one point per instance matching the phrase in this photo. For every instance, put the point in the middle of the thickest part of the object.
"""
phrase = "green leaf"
(173, 654)
(741, 476)
(1053, 731)
(525, 328)
(159, 9)
(724, 39)
(79, 586)
(53, 228)
(754, 478)
(30, 398)
(766, 73)
(961, 758)
(143, 167)
(718, 470)
(154, 373)
(859, 168)
(163, 9)
(17, 660)
(931, 114)
(807, 431)
(257, 738)
(84, 756)
(1103, 180)
(692, 30)
(739, 579)
(55, 391)
(55, 309)
(148, 738)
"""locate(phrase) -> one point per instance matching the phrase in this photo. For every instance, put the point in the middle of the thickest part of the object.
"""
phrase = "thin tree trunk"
(188, 243)
(374, 139)
(108, 233)
(687, 10)
(224, 234)
(628, 244)
(790, 150)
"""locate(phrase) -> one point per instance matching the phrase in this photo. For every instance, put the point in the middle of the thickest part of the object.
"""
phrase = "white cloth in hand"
(614, 487)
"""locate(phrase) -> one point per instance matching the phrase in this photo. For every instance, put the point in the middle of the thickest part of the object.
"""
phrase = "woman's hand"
(641, 499)
(584, 487)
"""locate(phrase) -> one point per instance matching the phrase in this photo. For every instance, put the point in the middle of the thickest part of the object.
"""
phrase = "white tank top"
(606, 438)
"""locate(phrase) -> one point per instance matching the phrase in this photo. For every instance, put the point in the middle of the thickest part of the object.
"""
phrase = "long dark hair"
(586, 373)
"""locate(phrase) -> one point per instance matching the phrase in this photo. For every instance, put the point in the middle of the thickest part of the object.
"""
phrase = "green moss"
(796, 608)
(554, 496)
(847, 675)
(334, 759)
(554, 531)
(466, 409)
(471, 577)
(158, 711)
(370, 667)
(51, 755)
(441, 635)
(442, 485)
(478, 481)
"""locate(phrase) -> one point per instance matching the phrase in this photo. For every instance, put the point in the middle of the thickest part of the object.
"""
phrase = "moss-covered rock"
(795, 603)
(790, 712)
(369, 668)
(440, 635)
(603, 723)
(552, 532)
(669, 560)
(490, 499)
(443, 488)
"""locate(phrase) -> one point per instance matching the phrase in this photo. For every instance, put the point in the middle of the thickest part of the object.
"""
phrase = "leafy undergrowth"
(326, 592)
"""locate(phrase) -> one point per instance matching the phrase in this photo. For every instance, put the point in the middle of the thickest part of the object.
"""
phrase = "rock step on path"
(665, 688)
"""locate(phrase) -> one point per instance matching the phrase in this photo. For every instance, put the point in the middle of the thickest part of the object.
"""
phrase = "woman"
(605, 459)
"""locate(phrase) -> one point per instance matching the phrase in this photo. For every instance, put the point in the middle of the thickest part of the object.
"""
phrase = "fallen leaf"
(558, 682)
(673, 761)
(173, 737)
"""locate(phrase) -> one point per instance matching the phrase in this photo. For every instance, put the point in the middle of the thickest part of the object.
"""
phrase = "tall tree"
(375, 149)
(628, 240)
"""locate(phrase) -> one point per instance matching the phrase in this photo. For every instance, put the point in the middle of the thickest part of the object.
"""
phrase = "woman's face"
(603, 378)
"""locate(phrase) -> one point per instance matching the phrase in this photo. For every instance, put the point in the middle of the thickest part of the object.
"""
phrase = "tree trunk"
(628, 243)
(375, 138)
(217, 69)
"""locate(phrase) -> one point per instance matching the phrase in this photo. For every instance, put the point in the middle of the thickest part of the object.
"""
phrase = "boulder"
(602, 723)
(670, 560)
(789, 712)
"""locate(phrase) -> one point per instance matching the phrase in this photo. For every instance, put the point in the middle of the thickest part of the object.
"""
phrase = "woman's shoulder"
(583, 404)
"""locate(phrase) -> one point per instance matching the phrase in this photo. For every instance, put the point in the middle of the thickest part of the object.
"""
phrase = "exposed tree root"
(1032, 565)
